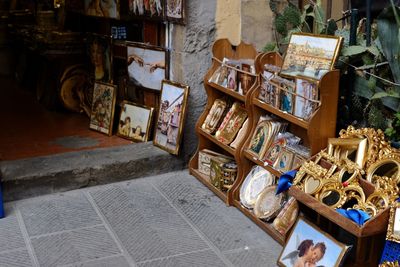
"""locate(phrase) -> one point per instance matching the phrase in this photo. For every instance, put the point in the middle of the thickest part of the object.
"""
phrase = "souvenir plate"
(257, 179)
(268, 204)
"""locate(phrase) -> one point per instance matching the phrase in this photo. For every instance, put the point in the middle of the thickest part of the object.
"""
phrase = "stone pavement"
(165, 220)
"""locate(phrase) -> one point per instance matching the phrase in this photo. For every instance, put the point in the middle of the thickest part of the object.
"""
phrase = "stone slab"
(16, 258)
(63, 172)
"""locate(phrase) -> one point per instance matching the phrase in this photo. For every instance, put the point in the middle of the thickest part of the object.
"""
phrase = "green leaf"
(280, 24)
(319, 22)
(388, 34)
(353, 50)
(374, 50)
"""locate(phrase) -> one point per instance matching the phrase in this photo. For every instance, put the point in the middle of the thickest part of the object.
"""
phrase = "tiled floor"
(167, 220)
(28, 129)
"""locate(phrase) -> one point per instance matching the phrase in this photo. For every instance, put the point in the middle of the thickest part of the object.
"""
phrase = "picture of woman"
(102, 113)
(99, 48)
(102, 8)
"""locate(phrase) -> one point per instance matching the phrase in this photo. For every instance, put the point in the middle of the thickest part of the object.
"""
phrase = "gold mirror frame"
(309, 179)
(330, 187)
(354, 175)
(374, 167)
(340, 148)
(376, 196)
(393, 231)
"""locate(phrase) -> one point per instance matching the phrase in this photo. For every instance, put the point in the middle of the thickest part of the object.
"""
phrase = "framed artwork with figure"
(102, 113)
(147, 65)
(99, 49)
(135, 122)
(171, 116)
(102, 8)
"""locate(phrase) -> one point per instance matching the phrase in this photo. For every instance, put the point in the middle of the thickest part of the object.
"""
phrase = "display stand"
(221, 49)
(314, 132)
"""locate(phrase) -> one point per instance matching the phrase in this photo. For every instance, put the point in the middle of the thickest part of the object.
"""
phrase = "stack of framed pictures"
(236, 75)
(293, 88)
(227, 124)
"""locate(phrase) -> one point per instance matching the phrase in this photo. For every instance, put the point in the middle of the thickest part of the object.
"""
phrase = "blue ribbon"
(1, 203)
(285, 181)
(357, 216)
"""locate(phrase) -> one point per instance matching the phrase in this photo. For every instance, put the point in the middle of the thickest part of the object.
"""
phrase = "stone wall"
(207, 21)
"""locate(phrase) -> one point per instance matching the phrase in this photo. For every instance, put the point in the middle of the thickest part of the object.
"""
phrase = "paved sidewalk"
(166, 220)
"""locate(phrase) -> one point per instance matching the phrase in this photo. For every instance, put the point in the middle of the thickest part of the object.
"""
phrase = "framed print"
(171, 116)
(286, 96)
(285, 160)
(309, 246)
(175, 11)
(147, 65)
(272, 95)
(310, 55)
(102, 114)
(153, 9)
(260, 138)
(99, 8)
(214, 116)
(265, 88)
(135, 122)
(393, 232)
(99, 49)
(274, 151)
(232, 83)
(231, 124)
(306, 99)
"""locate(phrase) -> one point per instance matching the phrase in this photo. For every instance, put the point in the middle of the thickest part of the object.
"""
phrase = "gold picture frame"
(214, 116)
(304, 242)
(231, 124)
(103, 106)
(393, 231)
(171, 116)
(309, 55)
(135, 121)
(342, 148)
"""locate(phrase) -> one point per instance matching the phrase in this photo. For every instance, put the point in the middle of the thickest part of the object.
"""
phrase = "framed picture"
(265, 88)
(393, 232)
(260, 139)
(153, 9)
(310, 55)
(272, 95)
(175, 11)
(309, 246)
(147, 65)
(274, 151)
(102, 113)
(232, 75)
(285, 160)
(98, 8)
(231, 124)
(171, 114)
(135, 122)
(286, 96)
(306, 99)
(214, 116)
(99, 49)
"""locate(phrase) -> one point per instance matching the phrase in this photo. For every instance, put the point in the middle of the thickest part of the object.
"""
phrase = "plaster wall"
(207, 21)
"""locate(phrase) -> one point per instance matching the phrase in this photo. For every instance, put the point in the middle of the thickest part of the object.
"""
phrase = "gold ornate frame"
(392, 233)
(114, 93)
(340, 147)
(185, 92)
(149, 120)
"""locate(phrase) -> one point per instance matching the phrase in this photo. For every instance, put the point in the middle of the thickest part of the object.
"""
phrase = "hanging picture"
(100, 8)
(175, 11)
(102, 114)
(147, 65)
(152, 9)
(135, 122)
(309, 246)
(99, 49)
(310, 55)
(171, 114)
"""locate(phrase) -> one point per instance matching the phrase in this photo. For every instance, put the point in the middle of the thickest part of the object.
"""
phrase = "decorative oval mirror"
(348, 176)
(385, 167)
(379, 200)
(332, 197)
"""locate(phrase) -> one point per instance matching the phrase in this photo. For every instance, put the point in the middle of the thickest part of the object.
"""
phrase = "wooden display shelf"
(260, 163)
(267, 227)
(212, 138)
(227, 91)
(222, 49)
(284, 115)
(206, 181)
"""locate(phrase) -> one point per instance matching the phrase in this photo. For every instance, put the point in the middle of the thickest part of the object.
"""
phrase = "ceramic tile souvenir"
(214, 116)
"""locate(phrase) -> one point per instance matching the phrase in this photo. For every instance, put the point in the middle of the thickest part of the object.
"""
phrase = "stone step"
(63, 172)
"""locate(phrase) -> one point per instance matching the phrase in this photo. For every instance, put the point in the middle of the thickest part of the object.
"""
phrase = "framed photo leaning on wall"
(171, 116)
(147, 65)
